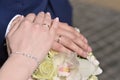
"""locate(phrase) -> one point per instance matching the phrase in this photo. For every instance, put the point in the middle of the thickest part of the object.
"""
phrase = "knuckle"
(36, 29)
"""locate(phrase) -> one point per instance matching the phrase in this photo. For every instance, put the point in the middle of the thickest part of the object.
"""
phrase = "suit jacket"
(9, 8)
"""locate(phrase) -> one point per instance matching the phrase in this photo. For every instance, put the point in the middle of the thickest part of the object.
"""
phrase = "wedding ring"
(59, 38)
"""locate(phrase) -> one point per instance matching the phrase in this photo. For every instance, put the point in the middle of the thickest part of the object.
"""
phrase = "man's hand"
(69, 40)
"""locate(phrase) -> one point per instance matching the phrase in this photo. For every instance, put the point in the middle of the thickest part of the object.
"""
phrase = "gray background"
(101, 26)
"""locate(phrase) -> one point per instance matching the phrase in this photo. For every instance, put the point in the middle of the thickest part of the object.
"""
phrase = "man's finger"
(60, 48)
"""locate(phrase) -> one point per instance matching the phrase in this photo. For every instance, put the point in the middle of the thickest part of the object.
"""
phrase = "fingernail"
(41, 12)
(90, 49)
(57, 19)
(48, 13)
(22, 16)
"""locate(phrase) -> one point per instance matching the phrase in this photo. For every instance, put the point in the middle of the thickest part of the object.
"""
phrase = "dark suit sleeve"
(3, 55)
(63, 10)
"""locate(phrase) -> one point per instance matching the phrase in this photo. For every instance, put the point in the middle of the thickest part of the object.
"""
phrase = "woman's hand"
(69, 40)
(32, 34)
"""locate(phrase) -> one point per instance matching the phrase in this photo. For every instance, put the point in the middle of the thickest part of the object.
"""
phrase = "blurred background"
(99, 21)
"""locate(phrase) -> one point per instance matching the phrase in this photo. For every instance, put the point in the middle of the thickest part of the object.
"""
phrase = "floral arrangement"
(63, 66)
(67, 66)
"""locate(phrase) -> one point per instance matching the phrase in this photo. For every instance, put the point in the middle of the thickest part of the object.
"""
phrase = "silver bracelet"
(28, 55)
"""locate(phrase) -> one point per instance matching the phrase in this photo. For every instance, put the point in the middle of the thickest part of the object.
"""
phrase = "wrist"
(28, 55)
(23, 62)
(19, 65)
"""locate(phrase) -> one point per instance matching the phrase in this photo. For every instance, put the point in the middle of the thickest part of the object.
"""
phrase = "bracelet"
(28, 55)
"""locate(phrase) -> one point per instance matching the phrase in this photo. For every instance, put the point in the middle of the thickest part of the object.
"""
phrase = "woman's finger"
(47, 21)
(30, 17)
(17, 19)
(40, 17)
(15, 25)
(54, 26)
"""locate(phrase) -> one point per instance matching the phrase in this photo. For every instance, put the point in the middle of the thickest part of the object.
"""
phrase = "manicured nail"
(48, 13)
(22, 16)
(41, 12)
(57, 19)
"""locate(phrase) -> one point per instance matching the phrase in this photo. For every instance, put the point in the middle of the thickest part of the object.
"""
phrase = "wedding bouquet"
(67, 66)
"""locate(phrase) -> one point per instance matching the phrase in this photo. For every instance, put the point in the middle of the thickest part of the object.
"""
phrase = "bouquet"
(67, 66)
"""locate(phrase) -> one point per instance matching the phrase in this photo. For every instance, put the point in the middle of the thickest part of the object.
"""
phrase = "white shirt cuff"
(9, 25)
